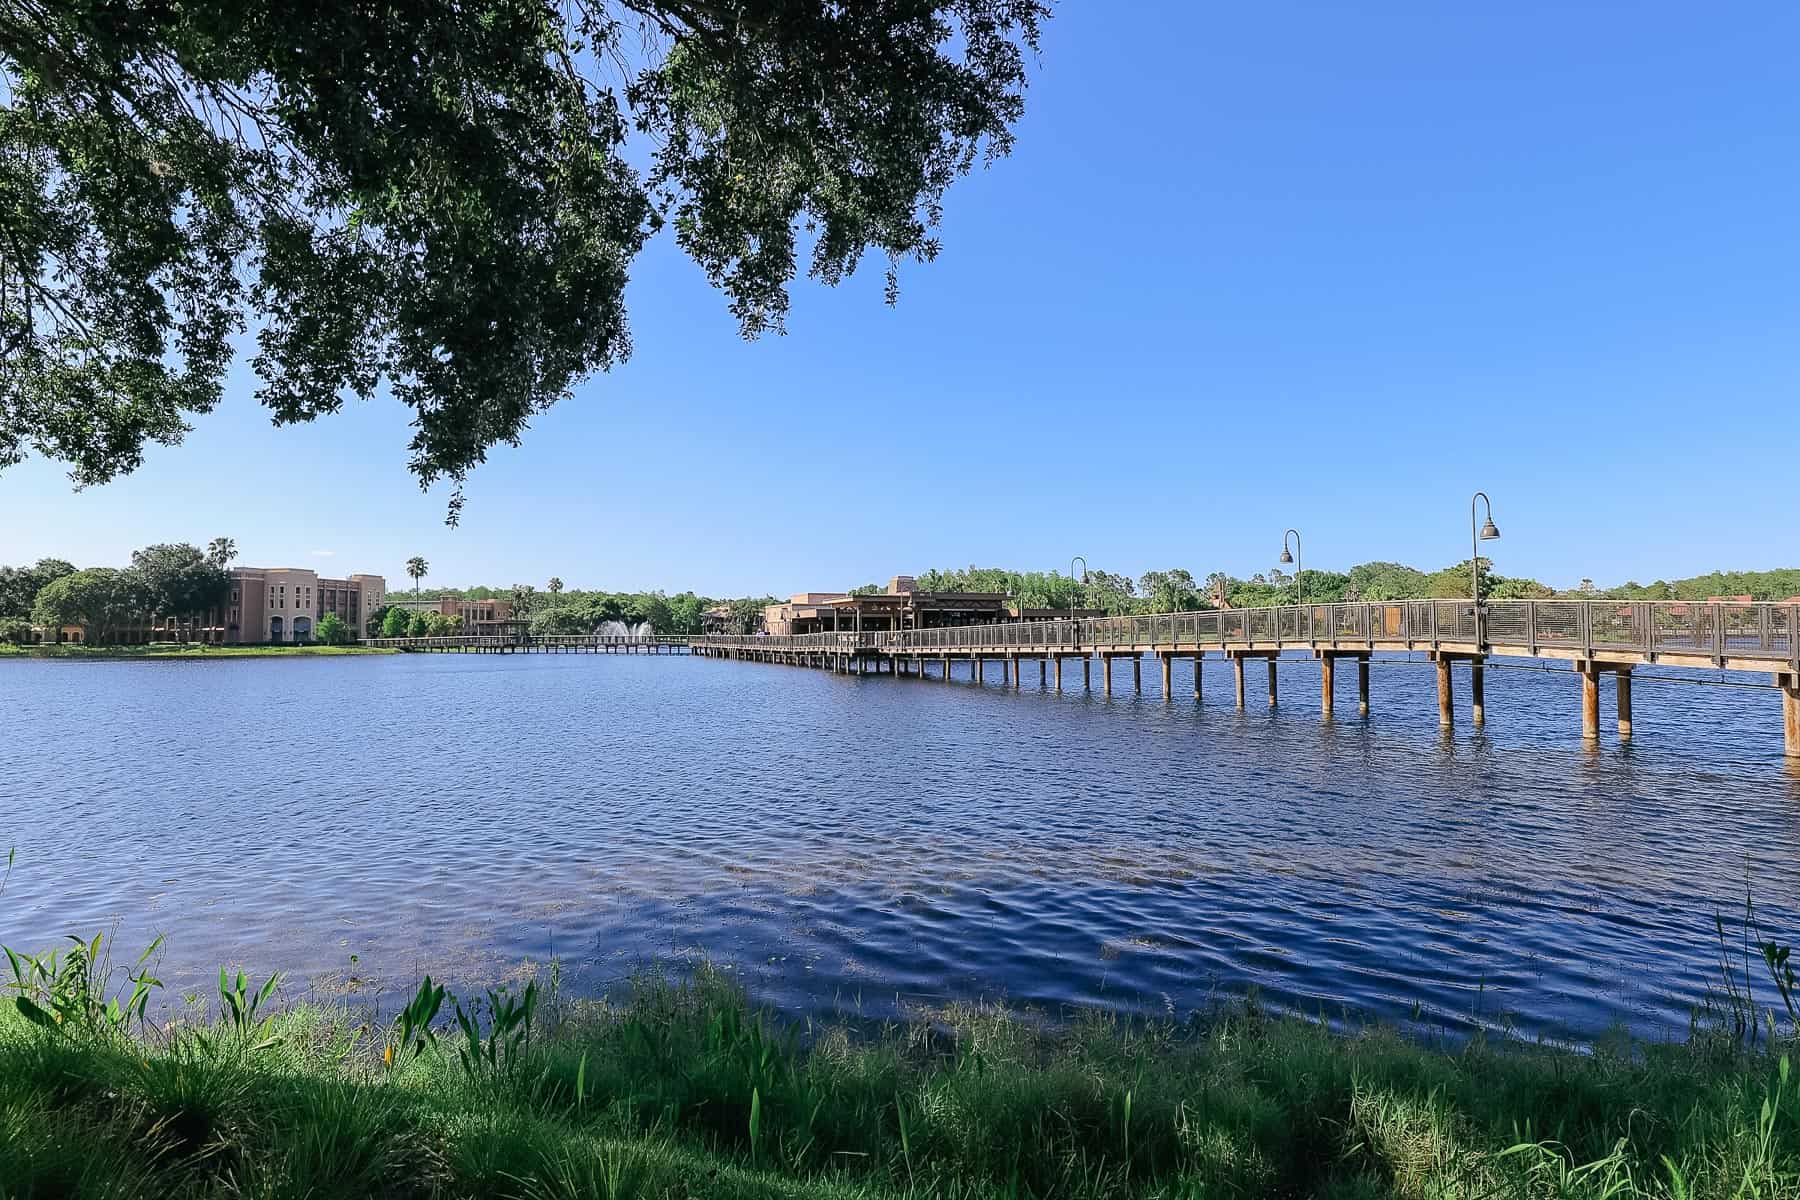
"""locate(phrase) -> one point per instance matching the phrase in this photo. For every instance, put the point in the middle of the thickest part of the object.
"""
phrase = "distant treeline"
(1177, 590)
(556, 609)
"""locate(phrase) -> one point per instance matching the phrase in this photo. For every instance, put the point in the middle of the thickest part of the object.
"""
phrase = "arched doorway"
(303, 629)
(277, 630)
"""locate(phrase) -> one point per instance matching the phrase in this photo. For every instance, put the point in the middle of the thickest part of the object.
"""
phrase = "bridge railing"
(486, 640)
(1765, 632)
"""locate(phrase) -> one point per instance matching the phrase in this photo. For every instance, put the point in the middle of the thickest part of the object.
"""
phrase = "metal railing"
(1761, 634)
(490, 640)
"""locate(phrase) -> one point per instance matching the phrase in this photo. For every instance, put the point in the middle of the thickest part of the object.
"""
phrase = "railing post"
(1718, 634)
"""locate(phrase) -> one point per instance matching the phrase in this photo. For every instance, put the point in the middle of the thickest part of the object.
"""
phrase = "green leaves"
(438, 202)
(239, 1006)
(507, 1036)
(414, 1033)
(66, 991)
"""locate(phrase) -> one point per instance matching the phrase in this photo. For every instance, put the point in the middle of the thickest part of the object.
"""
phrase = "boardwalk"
(546, 643)
(1598, 637)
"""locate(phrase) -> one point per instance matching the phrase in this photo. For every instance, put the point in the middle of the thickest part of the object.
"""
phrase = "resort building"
(284, 604)
(262, 605)
(901, 606)
(492, 616)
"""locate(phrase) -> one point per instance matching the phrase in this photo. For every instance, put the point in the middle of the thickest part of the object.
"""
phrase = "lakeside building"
(262, 605)
(284, 604)
(492, 616)
(901, 606)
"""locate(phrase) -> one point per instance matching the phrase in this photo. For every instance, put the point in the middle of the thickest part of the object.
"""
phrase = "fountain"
(619, 629)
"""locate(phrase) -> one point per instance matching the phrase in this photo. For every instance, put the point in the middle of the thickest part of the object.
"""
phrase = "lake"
(859, 845)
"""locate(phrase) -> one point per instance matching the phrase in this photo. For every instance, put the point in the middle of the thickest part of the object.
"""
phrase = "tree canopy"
(178, 580)
(444, 200)
(100, 599)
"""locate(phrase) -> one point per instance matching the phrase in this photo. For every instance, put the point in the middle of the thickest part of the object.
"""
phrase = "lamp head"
(1490, 531)
(1286, 558)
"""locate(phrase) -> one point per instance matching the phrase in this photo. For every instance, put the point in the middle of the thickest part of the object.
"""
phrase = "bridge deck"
(1598, 637)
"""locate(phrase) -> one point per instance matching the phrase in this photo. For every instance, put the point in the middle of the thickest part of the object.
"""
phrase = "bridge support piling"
(975, 665)
(1271, 661)
(1327, 684)
(1018, 665)
(1790, 714)
(1237, 665)
(1199, 672)
(1477, 693)
(1137, 673)
(1059, 672)
(1362, 686)
(1590, 702)
(1106, 672)
(1087, 672)
(1043, 670)
(1622, 680)
(1167, 678)
(1446, 714)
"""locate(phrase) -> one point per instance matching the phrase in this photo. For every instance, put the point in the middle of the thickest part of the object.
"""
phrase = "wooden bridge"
(545, 643)
(1597, 637)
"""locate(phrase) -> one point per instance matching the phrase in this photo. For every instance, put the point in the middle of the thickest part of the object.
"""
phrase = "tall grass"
(683, 1088)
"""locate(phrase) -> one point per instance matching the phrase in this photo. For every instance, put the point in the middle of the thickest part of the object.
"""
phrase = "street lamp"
(1084, 571)
(1489, 532)
(1293, 558)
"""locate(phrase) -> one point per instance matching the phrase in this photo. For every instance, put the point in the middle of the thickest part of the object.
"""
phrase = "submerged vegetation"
(684, 1089)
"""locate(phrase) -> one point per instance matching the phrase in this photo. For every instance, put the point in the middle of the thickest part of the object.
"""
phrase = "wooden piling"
(1137, 673)
(1237, 665)
(1477, 696)
(1087, 672)
(1271, 662)
(1167, 679)
(1790, 713)
(1106, 671)
(1362, 686)
(1446, 715)
(1059, 672)
(1590, 702)
(1622, 681)
(1199, 662)
(1327, 684)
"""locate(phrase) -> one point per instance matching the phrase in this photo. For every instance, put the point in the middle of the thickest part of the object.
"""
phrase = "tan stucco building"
(490, 616)
(284, 604)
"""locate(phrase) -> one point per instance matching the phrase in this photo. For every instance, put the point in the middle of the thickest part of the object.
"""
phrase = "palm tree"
(555, 586)
(417, 567)
(220, 551)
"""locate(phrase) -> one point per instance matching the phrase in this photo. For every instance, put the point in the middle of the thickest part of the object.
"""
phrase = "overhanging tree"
(437, 199)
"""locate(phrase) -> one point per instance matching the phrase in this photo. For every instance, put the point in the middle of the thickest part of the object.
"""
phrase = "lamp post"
(1489, 532)
(1084, 571)
(1293, 558)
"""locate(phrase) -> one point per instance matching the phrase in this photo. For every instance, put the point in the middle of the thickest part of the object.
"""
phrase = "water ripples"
(863, 843)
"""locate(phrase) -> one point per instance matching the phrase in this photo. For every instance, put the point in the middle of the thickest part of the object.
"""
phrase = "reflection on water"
(850, 842)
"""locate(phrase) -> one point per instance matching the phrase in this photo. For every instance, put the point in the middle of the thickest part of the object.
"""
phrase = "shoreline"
(190, 653)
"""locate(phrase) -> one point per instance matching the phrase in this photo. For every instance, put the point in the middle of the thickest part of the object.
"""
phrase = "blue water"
(868, 844)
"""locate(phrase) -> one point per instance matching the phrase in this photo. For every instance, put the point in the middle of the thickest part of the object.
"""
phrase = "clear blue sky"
(1249, 267)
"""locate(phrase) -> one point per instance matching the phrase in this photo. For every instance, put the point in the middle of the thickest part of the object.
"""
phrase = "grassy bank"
(187, 651)
(684, 1090)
